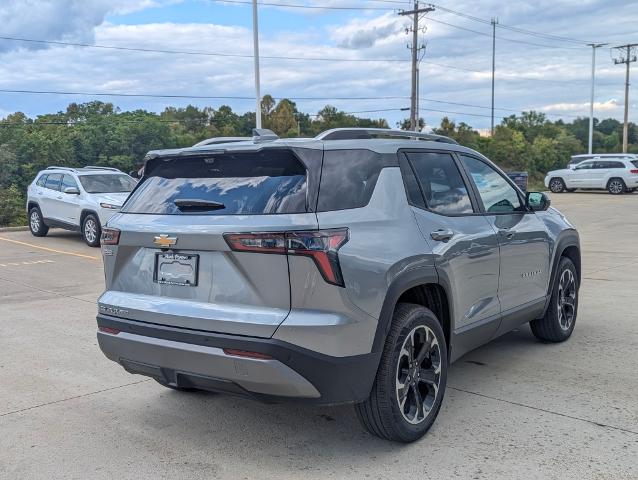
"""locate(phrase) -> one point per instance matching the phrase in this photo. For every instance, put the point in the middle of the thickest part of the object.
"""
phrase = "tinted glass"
(68, 182)
(584, 166)
(615, 165)
(348, 178)
(107, 183)
(267, 182)
(41, 181)
(635, 163)
(441, 183)
(496, 193)
(53, 181)
(412, 189)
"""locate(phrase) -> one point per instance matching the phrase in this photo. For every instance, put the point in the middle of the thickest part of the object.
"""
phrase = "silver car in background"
(349, 268)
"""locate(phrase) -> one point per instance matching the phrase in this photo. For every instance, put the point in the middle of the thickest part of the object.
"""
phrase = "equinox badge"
(164, 241)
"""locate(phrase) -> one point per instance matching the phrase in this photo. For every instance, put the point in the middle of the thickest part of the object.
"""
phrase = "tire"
(381, 414)
(616, 186)
(557, 185)
(91, 230)
(558, 323)
(36, 223)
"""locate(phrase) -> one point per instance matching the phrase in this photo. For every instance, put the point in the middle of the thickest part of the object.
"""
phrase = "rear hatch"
(172, 263)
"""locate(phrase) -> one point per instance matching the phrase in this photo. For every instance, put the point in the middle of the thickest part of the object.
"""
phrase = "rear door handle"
(508, 234)
(442, 235)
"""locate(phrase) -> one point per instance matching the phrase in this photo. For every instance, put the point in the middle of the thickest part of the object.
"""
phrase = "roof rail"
(366, 133)
(217, 140)
(261, 135)
(96, 167)
(54, 167)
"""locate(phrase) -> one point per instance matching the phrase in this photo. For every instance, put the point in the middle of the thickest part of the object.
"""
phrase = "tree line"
(98, 133)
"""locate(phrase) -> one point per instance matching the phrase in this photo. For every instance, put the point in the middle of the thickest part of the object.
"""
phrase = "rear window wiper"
(198, 205)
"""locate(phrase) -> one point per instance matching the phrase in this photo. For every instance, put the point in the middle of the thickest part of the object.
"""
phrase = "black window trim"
(476, 206)
(519, 192)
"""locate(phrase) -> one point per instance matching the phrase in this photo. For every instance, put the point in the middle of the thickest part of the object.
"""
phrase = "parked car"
(576, 159)
(79, 199)
(614, 174)
(349, 268)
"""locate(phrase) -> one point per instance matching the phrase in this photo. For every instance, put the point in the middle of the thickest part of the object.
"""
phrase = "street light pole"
(593, 46)
(256, 58)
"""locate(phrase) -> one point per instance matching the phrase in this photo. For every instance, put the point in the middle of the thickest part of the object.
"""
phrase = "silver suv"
(79, 199)
(349, 268)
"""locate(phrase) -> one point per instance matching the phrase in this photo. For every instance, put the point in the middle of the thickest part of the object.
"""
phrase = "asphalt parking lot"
(515, 408)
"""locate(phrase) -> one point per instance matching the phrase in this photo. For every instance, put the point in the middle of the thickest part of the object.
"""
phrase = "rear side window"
(348, 178)
(616, 165)
(41, 181)
(441, 183)
(251, 183)
(53, 181)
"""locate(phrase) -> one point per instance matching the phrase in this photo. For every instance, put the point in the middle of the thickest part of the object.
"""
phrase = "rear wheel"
(410, 383)
(558, 323)
(556, 185)
(616, 186)
(36, 223)
(91, 230)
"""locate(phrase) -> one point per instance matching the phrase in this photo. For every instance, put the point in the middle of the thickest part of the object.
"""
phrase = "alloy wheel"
(90, 230)
(616, 186)
(418, 374)
(566, 299)
(556, 185)
(34, 220)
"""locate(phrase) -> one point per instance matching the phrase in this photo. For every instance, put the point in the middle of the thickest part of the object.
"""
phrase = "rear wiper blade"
(194, 204)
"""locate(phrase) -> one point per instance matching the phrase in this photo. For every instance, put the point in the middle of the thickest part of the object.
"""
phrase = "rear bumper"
(191, 358)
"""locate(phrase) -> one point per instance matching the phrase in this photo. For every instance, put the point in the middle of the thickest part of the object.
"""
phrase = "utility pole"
(627, 56)
(414, 121)
(256, 58)
(593, 46)
(494, 22)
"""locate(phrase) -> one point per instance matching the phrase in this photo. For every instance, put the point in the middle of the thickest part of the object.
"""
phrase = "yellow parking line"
(81, 255)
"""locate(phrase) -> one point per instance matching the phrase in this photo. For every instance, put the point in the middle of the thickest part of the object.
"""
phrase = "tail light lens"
(110, 236)
(634, 171)
(320, 245)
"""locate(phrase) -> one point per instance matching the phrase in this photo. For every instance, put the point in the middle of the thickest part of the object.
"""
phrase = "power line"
(296, 5)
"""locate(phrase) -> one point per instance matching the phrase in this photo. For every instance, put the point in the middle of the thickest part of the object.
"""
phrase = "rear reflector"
(320, 245)
(109, 330)
(110, 236)
(243, 353)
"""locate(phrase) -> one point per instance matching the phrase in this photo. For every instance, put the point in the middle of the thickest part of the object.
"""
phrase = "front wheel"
(36, 223)
(558, 323)
(410, 383)
(556, 185)
(91, 230)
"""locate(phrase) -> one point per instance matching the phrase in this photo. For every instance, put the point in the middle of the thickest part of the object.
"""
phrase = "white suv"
(79, 199)
(616, 175)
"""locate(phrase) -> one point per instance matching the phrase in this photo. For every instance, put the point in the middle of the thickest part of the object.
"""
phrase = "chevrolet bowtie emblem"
(165, 241)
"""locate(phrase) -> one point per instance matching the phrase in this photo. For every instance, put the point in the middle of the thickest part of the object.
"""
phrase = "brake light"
(633, 171)
(320, 245)
(110, 236)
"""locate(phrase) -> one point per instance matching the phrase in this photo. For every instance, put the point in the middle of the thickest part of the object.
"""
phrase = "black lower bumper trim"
(338, 379)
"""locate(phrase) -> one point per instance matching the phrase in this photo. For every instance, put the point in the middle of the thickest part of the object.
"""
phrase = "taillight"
(243, 353)
(633, 171)
(109, 330)
(320, 245)
(110, 236)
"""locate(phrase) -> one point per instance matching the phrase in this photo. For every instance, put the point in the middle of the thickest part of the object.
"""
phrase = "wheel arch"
(420, 286)
(567, 245)
(87, 211)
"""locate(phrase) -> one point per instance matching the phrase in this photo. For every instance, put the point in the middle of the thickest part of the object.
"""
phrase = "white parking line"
(27, 262)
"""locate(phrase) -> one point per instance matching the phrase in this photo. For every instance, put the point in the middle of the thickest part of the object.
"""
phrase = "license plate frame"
(190, 259)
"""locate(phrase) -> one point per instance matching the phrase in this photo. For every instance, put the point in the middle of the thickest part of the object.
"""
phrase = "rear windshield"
(635, 163)
(109, 183)
(267, 182)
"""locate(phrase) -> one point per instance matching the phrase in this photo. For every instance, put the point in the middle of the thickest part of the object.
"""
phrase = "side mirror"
(537, 201)
(135, 174)
(72, 190)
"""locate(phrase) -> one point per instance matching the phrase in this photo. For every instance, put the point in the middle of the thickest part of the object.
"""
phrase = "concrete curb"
(14, 229)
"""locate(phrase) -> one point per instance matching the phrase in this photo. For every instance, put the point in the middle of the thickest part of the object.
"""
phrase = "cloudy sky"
(533, 71)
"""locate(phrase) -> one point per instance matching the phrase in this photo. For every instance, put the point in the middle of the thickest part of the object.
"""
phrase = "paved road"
(514, 409)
